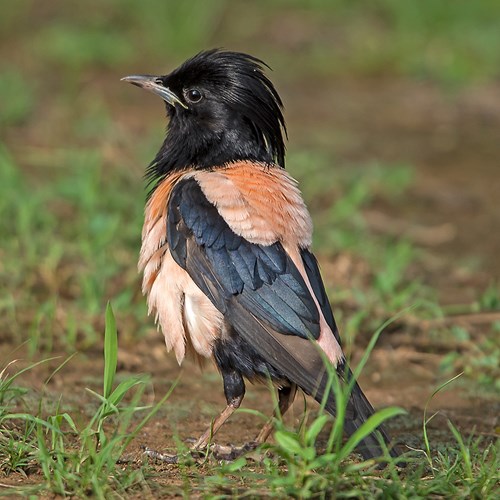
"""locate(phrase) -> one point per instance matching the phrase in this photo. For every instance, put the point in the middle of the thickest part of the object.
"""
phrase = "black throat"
(188, 145)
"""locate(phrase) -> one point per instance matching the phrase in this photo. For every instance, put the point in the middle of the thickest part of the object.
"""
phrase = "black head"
(222, 108)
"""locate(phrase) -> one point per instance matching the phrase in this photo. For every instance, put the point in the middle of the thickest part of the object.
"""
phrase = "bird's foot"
(161, 457)
(231, 452)
(188, 456)
(217, 451)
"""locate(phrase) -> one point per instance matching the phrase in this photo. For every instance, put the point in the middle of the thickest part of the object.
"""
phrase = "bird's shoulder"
(260, 202)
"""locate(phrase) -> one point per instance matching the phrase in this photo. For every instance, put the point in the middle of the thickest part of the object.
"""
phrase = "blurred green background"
(393, 116)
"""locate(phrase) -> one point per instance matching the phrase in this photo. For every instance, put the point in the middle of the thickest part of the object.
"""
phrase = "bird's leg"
(234, 390)
(286, 395)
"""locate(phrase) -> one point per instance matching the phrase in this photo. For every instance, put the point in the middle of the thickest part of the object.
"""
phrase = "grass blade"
(368, 427)
(110, 350)
(427, 420)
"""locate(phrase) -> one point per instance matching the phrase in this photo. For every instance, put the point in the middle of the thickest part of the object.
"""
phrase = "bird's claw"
(230, 452)
(161, 457)
(217, 451)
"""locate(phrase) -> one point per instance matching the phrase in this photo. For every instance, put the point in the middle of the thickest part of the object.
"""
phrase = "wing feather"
(261, 278)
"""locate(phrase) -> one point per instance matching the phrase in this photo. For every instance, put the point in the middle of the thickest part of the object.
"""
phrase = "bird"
(226, 256)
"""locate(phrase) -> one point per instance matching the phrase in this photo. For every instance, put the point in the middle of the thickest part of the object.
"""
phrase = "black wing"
(262, 279)
(257, 287)
(314, 276)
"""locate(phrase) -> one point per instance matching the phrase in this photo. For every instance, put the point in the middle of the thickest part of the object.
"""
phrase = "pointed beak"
(154, 85)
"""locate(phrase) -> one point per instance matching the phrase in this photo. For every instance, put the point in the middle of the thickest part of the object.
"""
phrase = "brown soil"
(399, 376)
(450, 139)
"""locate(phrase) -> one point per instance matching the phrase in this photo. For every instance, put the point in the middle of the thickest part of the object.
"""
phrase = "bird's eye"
(193, 95)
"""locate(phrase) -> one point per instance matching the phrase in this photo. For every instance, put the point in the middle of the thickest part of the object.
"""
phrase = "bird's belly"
(202, 321)
(188, 320)
(233, 353)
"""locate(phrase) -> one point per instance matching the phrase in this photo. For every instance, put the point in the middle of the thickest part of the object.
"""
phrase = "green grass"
(18, 97)
(295, 471)
(310, 462)
(70, 243)
(77, 459)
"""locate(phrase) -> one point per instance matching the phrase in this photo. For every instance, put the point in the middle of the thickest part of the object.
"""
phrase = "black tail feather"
(358, 410)
(361, 410)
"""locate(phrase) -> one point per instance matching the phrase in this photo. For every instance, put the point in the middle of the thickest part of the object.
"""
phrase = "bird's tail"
(358, 411)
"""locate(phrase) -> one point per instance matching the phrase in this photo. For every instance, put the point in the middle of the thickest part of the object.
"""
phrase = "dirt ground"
(453, 144)
(452, 140)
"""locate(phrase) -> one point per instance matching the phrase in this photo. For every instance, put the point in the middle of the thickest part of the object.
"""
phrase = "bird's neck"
(181, 150)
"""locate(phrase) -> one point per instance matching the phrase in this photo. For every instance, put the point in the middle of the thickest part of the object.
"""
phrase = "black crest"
(238, 115)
